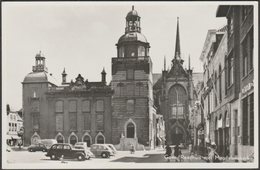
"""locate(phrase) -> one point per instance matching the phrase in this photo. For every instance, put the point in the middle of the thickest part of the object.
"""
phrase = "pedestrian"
(190, 149)
(177, 152)
(213, 155)
(132, 149)
(168, 152)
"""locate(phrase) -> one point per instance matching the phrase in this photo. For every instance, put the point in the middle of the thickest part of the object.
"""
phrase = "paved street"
(123, 159)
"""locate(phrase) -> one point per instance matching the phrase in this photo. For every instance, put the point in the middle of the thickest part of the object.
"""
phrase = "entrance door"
(176, 138)
(130, 130)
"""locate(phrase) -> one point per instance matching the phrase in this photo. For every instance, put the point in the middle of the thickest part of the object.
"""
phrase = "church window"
(87, 121)
(141, 51)
(36, 121)
(121, 52)
(73, 106)
(73, 121)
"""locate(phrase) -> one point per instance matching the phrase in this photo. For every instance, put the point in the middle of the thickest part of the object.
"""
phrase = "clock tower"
(133, 113)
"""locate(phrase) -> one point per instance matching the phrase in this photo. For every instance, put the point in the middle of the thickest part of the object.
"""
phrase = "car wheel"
(31, 150)
(104, 155)
(53, 157)
(80, 157)
(44, 150)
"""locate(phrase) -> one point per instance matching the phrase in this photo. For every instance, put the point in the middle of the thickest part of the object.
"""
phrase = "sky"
(81, 37)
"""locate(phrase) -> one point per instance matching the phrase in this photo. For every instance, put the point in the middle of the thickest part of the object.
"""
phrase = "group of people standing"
(177, 153)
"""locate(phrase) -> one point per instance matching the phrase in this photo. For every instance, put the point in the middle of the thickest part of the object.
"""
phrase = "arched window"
(59, 106)
(177, 101)
(60, 139)
(73, 140)
(141, 51)
(100, 139)
(130, 130)
(87, 140)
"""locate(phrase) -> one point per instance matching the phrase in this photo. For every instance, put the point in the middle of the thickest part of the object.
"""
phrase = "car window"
(59, 147)
(54, 147)
(66, 147)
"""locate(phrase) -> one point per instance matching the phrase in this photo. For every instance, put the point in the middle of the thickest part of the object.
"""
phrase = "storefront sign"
(247, 87)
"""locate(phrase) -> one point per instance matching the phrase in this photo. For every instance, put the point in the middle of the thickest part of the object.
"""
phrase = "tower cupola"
(40, 63)
(132, 21)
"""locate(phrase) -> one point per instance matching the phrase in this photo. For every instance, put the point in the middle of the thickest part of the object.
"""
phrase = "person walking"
(168, 152)
(177, 153)
(213, 156)
(132, 149)
(190, 149)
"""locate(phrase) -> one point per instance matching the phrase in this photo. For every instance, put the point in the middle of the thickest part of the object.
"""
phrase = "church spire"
(177, 54)
(164, 64)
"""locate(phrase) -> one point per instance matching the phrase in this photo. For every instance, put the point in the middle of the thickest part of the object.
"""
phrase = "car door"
(59, 151)
(94, 149)
(67, 151)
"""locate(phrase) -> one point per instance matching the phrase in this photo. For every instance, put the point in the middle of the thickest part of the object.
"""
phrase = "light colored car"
(81, 144)
(112, 147)
(87, 150)
(102, 150)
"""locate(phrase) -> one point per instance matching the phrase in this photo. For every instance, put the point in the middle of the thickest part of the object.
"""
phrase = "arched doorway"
(130, 130)
(60, 139)
(73, 139)
(100, 139)
(177, 135)
(87, 140)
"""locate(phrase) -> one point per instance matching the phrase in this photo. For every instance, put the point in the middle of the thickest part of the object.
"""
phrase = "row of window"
(85, 106)
(12, 117)
(12, 127)
(59, 121)
(74, 139)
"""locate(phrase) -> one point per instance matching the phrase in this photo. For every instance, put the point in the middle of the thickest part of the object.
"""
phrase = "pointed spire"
(64, 72)
(103, 71)
(164, 64)
(189, 61)
(177, 43)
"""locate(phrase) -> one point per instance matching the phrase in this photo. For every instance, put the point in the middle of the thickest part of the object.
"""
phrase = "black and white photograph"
(129, 85)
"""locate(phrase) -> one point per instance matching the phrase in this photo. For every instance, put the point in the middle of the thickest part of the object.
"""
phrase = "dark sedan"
(37, 147)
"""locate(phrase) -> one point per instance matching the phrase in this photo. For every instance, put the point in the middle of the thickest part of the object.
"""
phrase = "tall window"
(130, 106)
(100, 106)
(141, 51)
(247, 52)
(251, 48)
(230, 24)
(121, 52)
(59, 122)
(87, 121)
(100, 122)
(229, 70)
(215, 90)
(86, 106)
(220, 84)
(130, 74)
(177, 101)
(36, 121)
(59, 106)
(35, 106)
(73, 115)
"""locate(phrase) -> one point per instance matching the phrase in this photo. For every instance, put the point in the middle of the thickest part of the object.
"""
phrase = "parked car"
(67, 151)
(87, 150)
(82, 144)
(102, 150)
(48, 142)
(37, 147)
(112, 147)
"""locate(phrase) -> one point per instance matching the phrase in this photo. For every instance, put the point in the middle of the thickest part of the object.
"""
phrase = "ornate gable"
(177, 70)
(79, 84)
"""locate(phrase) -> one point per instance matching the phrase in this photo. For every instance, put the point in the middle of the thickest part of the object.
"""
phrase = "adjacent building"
(240, 76)
(174, 95)
(74, 111)
(14, 126)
